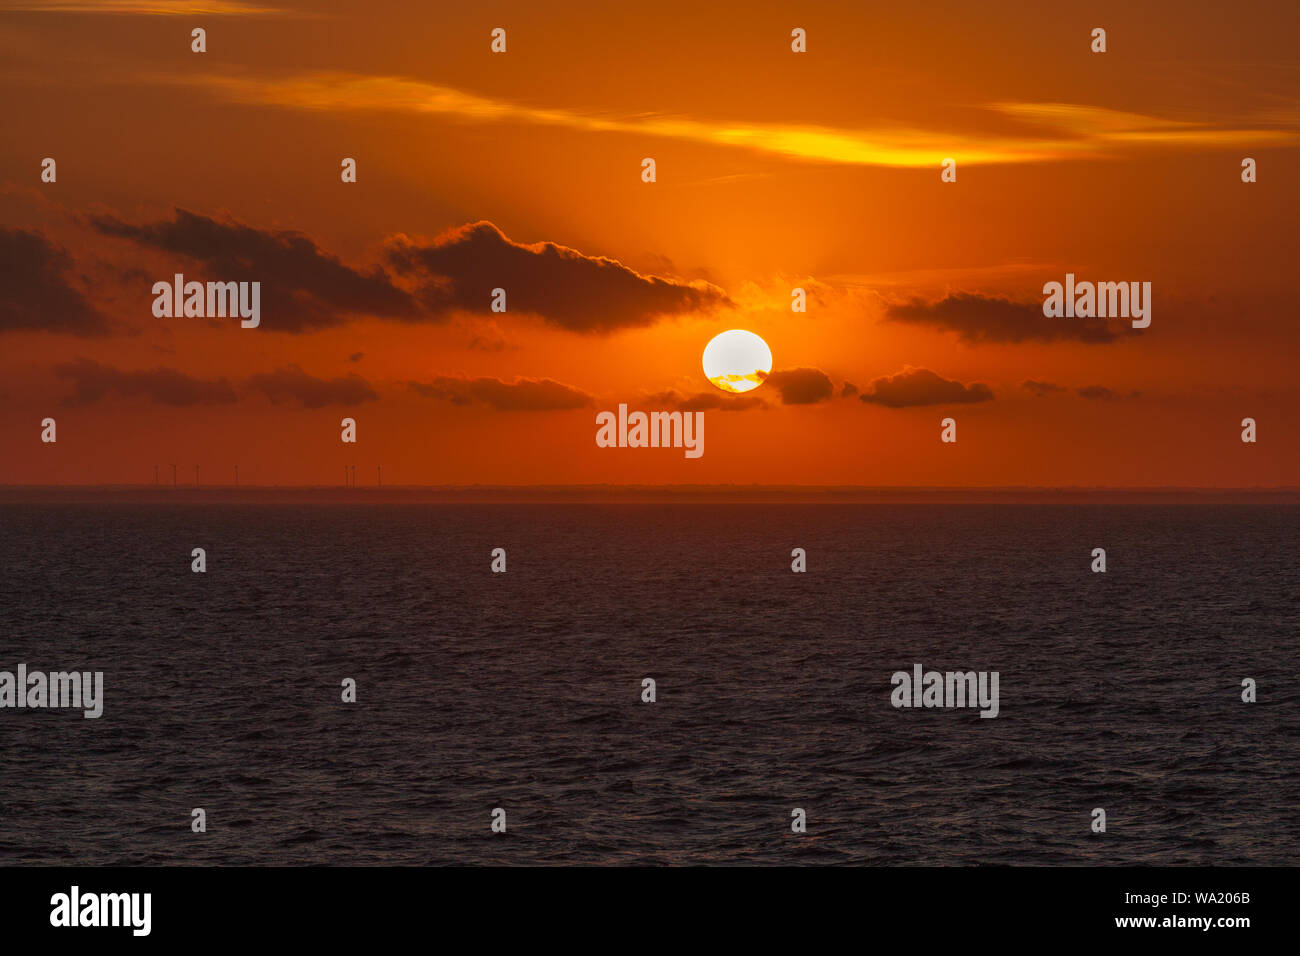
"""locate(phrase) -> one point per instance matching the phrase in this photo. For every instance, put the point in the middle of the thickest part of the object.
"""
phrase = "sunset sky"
(522, 170)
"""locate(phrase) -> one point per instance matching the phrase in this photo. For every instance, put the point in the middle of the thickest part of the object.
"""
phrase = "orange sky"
(775, 170)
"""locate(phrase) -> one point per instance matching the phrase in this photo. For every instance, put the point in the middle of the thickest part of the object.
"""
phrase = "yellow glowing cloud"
(1072, 131)
(1101, 126)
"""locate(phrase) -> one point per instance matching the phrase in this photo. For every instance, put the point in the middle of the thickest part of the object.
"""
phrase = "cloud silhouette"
(1041, 389)
(524, 395)
(920, 386)
(165, 386)
(39, 290)
(802, 386)
(980, 319)
(570, 290)
(1096, 392)
(303, 287)
(1101, 393)
(292, 384)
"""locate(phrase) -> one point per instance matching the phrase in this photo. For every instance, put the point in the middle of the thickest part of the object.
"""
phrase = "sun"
(737, 361)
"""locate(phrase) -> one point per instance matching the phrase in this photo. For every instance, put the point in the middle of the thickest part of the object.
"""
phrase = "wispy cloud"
(292, 384)
(981, 318)
(1101, 393)
(1103, 127)
(1058, 130)
(152, 8)
(522, 395)
(1041, 389)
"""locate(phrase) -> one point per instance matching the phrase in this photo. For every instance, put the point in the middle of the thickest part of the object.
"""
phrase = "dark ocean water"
(522, 690)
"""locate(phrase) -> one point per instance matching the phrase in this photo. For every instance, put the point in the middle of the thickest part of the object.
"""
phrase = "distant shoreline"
(633, 494)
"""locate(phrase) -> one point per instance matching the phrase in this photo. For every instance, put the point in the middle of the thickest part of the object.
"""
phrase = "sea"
(524, 692)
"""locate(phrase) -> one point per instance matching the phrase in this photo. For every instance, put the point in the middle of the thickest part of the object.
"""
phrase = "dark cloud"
(1103, 394)
(1099, 393)
(482, 344)
(303, 287)
(848, 390)
(673, 400)
(38, 290)
(486, 336)
(524, 395)
(796, 386)
(802, 386)
(166, 386)
(1041, 388)
(1096, 392)
(566, 288)
(306, 288)
(356, 356)
(979, 318)
(920, 386)
(292, 384)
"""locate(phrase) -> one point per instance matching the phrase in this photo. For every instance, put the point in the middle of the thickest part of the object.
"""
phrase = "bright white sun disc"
(737, 360)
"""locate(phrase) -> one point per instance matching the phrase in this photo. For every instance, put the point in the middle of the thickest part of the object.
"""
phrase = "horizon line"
(628, 493)
(666, 486)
